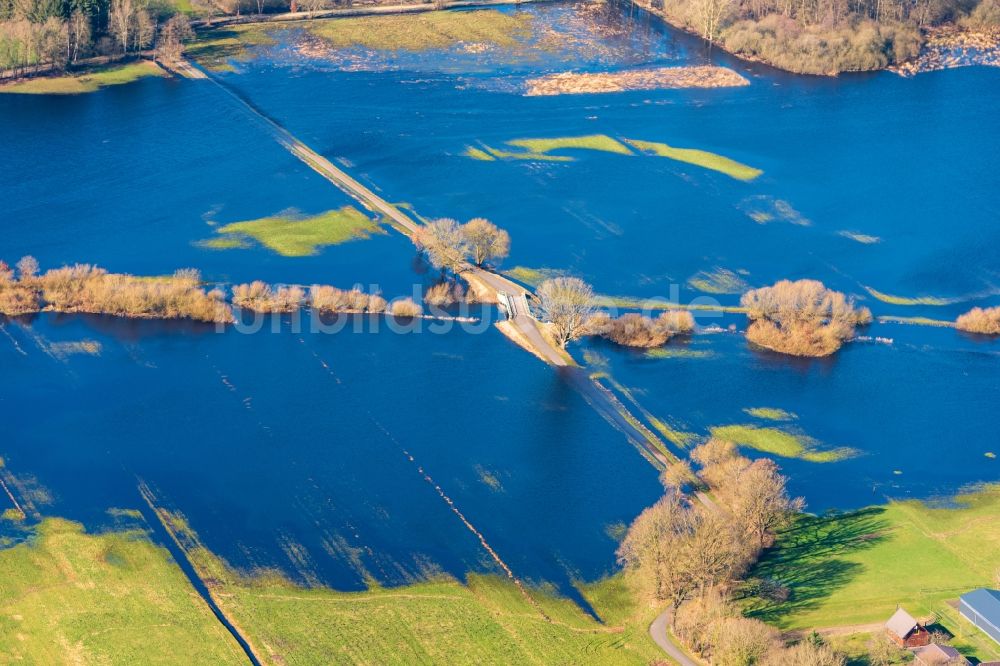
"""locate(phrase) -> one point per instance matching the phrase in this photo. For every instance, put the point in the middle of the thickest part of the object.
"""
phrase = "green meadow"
(485, 620)
(420, 32)
(86, 82)
(115, 598)
(779, 442)
(846, 569)
(296, 235)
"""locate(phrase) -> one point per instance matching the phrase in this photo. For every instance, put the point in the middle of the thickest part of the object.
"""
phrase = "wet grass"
(854, 568)
(215, 49)
(779, 442)
(294, 235)
(421, 32)
(670, 352)
(700, 158)
(71, 597)
(76, 84)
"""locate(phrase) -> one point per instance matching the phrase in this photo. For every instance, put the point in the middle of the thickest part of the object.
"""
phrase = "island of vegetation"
(985, 321)
(802, 318)
(657, 78)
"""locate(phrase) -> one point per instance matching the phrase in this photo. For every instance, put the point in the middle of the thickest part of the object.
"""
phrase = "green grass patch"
(701, 158)
(854, 568)
(498, 154)
(779, 442)
(903, 300)
(600, 142)
(71, 597)
(916, 321)
(478, 154)
(533, 276)
(864, 239)
(670, 352)
(770, 414)
(541, 149)
(718, 281)
(421, 32)
(632, 303)
(297, 235)
(76, 84)
(672, 434)
(214, 49)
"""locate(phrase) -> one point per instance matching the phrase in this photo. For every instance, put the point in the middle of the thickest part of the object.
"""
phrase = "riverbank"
(92, 77)
(855, 45)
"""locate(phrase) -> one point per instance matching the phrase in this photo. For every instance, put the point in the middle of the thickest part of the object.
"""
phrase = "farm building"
(982, 608)
(905, 631)
(938, 655)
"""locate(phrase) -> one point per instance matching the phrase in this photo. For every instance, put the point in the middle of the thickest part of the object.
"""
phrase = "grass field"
(67, 597)
(297, 235)
(701, 158)
(419, 32)
(854, 568)
(486, 620)
(76, 84)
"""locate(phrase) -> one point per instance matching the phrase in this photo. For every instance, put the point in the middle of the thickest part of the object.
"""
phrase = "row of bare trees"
(691, 553)
(450, 246)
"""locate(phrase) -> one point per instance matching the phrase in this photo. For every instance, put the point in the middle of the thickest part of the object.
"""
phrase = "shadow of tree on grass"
(808, 559)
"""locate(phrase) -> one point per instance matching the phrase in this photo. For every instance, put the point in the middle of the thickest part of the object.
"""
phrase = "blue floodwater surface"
(325, 454)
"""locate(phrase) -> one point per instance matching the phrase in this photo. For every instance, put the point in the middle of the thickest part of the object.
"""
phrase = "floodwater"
(292, 449)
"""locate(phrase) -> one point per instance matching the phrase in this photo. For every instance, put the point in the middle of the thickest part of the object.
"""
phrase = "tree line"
(37, 35)
(825, 36)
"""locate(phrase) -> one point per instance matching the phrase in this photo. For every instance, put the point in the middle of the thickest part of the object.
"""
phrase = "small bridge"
(514, 305)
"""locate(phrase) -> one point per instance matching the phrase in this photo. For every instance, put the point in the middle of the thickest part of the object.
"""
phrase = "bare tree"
(487, 242)
(27, 268)
(444, 244)
(121, 21)
(711, 14)
(655, 551)
(761, 502)
(173, 34)
(80, 35)
(567, 303)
